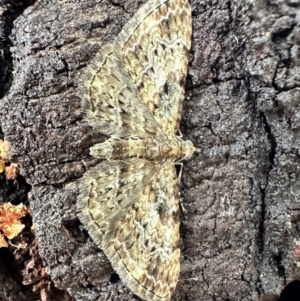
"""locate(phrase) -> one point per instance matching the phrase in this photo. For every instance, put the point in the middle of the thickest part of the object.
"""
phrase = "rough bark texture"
(241, 192)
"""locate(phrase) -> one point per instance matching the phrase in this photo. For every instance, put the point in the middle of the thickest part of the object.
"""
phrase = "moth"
(133, 92)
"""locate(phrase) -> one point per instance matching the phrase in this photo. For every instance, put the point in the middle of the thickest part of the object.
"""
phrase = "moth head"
(188, 149)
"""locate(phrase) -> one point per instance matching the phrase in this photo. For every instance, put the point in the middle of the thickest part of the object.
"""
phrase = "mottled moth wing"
(142, 242)
(107, 95)
(154, 46)
(131, 210)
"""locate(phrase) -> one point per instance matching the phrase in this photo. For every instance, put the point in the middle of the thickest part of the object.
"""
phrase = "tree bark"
(240, 192)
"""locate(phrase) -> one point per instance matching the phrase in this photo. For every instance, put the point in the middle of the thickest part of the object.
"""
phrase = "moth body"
(173, 149)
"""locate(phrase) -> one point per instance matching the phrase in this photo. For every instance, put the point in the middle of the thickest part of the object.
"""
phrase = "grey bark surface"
(240, 192)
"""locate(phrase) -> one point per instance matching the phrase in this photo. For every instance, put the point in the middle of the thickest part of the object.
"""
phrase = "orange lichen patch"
(12, 171)
(4, 149)
(2, 166)
(10, 224)
(3, 242)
